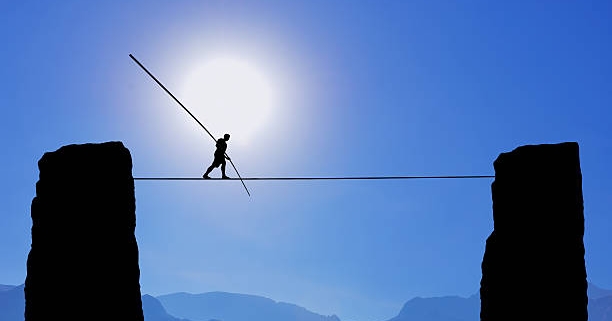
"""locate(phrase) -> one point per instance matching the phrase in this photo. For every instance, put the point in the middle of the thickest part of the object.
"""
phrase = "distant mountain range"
(235, 307)
(12, 302)
(448, 308)
(223, 306)
(154, 311)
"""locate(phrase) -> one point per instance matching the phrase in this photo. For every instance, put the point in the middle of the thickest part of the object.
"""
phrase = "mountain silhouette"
(12, 303)
(235, 307)
(154, 311)
(594, 292)
(446, 308)
(4, 287)
(601, 309)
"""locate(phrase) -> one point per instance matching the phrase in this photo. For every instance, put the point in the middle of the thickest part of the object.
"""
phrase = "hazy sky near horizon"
(318, 88)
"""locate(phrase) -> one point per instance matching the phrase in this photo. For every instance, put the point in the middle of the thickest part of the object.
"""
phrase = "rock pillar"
(533, 266)
(83, 261)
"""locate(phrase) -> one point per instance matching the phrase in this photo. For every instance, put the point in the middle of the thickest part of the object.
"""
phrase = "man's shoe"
(225, 177)
(205, 176)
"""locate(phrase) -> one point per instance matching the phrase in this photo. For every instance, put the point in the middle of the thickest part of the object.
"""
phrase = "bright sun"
(229, 95)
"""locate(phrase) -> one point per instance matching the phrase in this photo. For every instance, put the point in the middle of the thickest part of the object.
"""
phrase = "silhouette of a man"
(219, 157)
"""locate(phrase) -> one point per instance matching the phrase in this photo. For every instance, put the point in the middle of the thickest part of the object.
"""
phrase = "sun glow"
(229, 95)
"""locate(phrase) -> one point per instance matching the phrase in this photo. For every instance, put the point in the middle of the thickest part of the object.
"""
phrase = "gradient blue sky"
(362, 88)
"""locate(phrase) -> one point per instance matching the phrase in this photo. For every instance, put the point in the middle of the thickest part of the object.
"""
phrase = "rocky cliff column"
(533, 266)
(83, 261)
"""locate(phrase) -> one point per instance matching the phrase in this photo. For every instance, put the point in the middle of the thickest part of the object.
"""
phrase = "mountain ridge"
(4, 287)
(229, 306)
(442, 308)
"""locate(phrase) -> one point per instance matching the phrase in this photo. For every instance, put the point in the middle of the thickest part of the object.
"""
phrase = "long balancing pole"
(190, 114)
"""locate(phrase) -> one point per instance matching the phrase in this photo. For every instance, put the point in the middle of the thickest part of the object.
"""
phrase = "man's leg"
(223, 170)
(210, 168)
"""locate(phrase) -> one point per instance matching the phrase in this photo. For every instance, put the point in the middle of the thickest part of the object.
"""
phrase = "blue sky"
(358, 88)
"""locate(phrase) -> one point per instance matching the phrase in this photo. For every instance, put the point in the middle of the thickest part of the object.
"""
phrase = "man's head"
(226, 137)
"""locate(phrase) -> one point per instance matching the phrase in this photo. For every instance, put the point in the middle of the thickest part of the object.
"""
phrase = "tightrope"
(311, 178)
